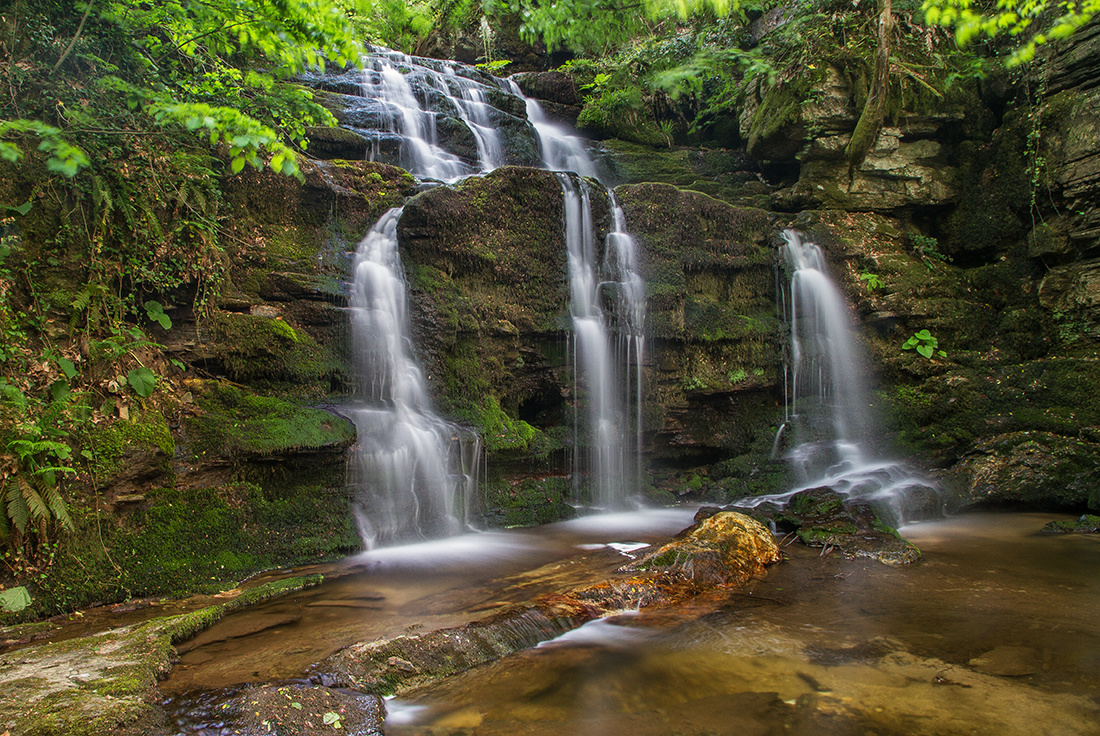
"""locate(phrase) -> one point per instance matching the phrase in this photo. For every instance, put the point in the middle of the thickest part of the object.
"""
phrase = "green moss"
(146, 430)
(235, 421)
(622, 113)
(529, 501)
(270, 353)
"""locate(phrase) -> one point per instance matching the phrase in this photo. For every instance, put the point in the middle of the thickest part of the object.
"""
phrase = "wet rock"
(727, 548)
(821, 517)
(106, 683)
(336, 143)
(1008, 661)
(301, 710)
(555, 86)
(1087, 524)
(1038, 469)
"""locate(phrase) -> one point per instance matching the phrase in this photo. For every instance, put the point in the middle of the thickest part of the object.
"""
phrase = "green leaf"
(142, 380)
(237, 165)
(67, 367)
(925, 350)
(20, 209)
(14, 600)
(331, 719)
(59, 391)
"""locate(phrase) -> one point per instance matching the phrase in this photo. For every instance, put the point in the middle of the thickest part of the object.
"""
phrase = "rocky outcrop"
(486, 262)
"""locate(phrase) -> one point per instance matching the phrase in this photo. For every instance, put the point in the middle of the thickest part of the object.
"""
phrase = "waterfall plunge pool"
(994, 632)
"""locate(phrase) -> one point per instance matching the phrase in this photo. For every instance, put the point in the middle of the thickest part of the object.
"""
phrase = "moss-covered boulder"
(821, 517)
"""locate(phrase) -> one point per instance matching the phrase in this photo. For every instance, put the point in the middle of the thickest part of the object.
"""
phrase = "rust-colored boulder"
(725, 549)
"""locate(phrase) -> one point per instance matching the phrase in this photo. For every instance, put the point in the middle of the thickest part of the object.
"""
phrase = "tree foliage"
(1031, 23)
(599, 25)
(211, 67)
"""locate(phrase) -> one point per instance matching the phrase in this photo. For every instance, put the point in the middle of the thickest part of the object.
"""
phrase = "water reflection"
(994, 632)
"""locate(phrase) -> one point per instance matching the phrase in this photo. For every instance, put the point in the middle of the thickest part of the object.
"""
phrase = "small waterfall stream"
(416, 474)
(829, 417)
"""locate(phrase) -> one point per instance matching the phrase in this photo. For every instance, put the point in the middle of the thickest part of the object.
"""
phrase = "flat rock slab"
(302, 710)
(106, 683)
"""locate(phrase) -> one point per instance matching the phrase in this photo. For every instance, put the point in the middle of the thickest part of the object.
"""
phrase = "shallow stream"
(996, 631)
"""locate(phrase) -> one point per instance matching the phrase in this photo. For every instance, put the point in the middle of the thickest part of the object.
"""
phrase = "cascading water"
(828, 408)
(607, 342)
(415, 470)
(416, 474)
(559, 150)
(414, 121)
(601, 363)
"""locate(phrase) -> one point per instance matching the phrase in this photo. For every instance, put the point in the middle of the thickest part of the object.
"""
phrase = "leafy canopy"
(598, 25)
(1044, 20)
(211, 67)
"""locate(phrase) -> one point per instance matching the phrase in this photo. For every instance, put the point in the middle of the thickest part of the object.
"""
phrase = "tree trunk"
(874, 109)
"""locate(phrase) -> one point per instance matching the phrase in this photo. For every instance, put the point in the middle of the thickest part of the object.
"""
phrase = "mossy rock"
(529, 501)
(236, 422)
(1087, 524)
(268, 352)
(820, 517)
(1034, 470)
(727, 548)
(106, 683)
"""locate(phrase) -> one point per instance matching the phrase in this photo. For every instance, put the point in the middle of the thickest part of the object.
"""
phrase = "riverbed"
(995, 632)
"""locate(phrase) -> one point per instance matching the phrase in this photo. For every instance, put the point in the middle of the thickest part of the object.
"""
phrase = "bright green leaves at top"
(293, 34)
(597, 25)
(1018, 18)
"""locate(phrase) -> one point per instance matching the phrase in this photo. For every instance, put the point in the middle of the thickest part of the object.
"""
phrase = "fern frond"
(59, 508)
(151, 217)
(18, 511)
(36, 507)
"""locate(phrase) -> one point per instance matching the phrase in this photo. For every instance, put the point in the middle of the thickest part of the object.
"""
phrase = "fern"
(18, 510)
(59, 508)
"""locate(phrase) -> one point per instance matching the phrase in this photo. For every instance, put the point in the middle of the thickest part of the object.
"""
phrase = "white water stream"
(828, 413)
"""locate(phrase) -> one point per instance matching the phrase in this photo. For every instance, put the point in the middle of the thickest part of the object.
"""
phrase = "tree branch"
(72, 43)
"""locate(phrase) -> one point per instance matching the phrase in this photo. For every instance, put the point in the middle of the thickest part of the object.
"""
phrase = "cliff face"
(974, 216)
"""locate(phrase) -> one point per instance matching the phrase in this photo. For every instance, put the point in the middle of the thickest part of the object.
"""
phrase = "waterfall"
(601, 363)
(415, 473)
(558, 148)
(828, 408)
(411, 117)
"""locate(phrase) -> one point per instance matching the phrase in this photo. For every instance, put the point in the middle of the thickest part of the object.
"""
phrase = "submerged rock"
(300, 710)
(820, 517)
